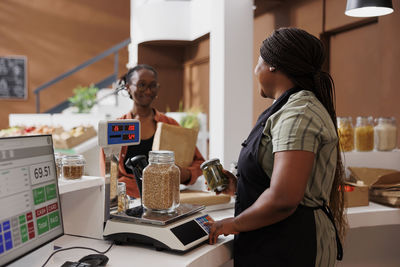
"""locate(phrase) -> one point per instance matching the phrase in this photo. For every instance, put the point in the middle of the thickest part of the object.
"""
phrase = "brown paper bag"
(178, 139)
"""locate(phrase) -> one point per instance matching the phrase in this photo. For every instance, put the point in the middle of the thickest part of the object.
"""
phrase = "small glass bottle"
(160, 185)
(212, 171)
(73, 166)
(58, 161)
(346, 133)
(364, 134)
(123, 201)
(385, 134)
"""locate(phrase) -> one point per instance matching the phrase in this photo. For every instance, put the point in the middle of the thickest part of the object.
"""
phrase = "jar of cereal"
(346, 133)
(385, 134)
(161, 179)
(364, 134)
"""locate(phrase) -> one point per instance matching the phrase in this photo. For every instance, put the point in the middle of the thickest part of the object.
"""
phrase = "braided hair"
(300, 55)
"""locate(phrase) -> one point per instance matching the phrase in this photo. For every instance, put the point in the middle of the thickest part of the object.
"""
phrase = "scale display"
(119, 132)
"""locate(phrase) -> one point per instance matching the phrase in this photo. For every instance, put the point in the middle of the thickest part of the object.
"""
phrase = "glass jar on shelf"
(160, 185)
(73, 166)
(364, 134)
(385, 132)
(58, 161)
(346, 133)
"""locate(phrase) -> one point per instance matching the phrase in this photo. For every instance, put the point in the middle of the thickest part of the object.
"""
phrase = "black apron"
(290, 242)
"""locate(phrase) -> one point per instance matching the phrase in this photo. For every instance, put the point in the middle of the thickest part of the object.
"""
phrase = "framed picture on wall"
(13, 77)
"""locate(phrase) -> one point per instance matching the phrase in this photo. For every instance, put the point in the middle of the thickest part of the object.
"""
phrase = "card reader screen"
(188, 232)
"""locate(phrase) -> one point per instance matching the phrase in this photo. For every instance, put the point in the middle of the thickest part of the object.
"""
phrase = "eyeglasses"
(141, 87)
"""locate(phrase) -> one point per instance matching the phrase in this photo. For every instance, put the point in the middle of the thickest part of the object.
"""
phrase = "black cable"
(63, 249)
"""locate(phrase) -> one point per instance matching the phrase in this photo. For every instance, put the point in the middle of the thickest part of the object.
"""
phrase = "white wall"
(230, 24)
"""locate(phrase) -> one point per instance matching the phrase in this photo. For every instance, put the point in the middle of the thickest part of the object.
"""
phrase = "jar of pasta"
(346, 133)
(385, 134)
(160, 185)
(364, 134)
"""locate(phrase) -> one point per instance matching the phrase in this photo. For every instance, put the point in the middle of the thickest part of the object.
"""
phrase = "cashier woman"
(142, 86)
(289, 209)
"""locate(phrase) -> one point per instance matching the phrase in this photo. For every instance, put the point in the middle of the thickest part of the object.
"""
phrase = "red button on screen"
(31, 235)
(29, 216)
(52, 207)
(31, 228)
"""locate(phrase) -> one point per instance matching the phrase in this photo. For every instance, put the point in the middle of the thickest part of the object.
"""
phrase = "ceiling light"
(368, 8)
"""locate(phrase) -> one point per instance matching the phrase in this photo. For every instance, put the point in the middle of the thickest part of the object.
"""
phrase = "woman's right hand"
(231, 188)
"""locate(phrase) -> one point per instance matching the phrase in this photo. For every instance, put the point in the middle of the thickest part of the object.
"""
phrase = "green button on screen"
(51, 191)
(42, 225)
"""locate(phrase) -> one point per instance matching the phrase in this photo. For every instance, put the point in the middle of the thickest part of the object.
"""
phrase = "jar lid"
(161, 156)
(73, 159)
(209, 162)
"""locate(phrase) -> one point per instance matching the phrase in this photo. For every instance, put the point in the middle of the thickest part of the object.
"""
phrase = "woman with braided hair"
(289, 206)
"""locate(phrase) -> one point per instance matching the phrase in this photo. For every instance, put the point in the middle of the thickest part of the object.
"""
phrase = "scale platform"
(178, 231)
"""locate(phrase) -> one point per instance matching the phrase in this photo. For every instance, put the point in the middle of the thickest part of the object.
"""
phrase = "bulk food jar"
(385, 134)
(73, 166)
(160, 185)
(212, 171)
(364, 134)
(346, 133)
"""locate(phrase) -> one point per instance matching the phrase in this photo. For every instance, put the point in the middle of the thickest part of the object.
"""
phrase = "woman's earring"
(272, 69)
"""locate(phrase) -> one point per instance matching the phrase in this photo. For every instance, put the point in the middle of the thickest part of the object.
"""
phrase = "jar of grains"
(385, 134)
(364, 134)
(73, 166)
(160, 185)
(346, 133)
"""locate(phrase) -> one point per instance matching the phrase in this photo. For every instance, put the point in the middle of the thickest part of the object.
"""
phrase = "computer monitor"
(30, 214)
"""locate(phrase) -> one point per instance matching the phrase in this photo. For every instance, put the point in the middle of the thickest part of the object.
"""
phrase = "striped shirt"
(304, 124)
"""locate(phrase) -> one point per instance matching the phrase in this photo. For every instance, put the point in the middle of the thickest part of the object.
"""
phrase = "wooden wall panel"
(56, 36)
(356, 71)
(167, 59)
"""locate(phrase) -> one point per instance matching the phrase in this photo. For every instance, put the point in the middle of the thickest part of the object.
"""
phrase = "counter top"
(141, 255)
(372, 215)
(66, 186)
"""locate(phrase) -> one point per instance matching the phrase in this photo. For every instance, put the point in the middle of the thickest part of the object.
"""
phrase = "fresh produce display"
(62, 139)
(31, 130)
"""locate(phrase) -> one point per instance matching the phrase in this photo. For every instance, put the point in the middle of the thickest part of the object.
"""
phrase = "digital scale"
(179, 231)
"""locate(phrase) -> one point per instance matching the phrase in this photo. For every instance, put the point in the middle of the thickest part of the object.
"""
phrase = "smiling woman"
(141, 83)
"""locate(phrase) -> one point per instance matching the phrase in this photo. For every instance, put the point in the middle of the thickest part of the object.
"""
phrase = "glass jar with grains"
(73, 166)
(385, 134)
(212, 171)
(346, 133)
(160, 185)
(123, 200)
(364, 134)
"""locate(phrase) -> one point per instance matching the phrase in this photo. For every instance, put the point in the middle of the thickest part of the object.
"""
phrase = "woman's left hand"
(224, 227)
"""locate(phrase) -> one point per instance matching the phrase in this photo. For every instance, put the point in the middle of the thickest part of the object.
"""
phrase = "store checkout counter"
(372, 239)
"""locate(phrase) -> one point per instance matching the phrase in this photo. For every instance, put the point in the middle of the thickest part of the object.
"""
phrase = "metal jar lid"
(209, 162)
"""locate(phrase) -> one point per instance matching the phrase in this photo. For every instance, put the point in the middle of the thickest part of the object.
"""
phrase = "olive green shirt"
(304, 124)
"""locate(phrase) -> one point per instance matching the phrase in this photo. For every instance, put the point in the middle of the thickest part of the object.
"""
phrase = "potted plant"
(84, 98)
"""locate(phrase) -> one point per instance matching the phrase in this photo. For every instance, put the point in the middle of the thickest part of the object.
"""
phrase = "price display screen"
(123, 133)
(30, 213)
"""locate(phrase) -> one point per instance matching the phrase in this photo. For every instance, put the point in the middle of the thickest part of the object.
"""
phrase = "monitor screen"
(30, 214)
